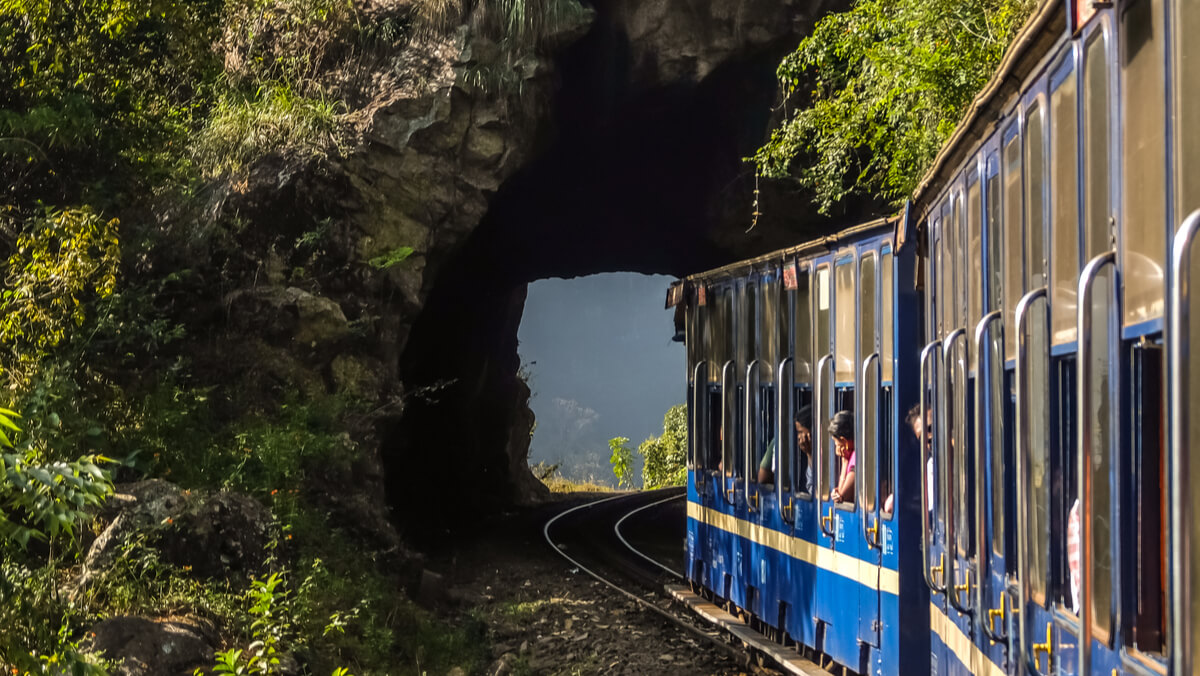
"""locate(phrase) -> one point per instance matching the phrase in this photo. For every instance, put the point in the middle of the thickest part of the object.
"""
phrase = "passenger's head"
(920, 428)
(841, 429)
(803, 420)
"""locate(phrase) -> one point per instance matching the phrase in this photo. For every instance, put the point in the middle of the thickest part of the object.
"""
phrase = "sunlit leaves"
(621, 460)
(62, 261)
(665, 457)
(889, 80)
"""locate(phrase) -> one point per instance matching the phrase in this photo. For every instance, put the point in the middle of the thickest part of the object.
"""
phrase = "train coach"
(1031, 307)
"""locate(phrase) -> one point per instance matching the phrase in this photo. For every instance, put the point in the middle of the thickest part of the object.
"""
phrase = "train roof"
(826, 243)
(1041, 31)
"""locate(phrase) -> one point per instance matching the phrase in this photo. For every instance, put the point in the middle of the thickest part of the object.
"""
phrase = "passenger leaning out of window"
(841, 429)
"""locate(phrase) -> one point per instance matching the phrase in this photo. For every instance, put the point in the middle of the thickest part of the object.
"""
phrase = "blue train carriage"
(783, 342)
(1056, 370)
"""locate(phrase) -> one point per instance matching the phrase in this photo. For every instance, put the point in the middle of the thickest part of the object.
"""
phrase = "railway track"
(633, 544)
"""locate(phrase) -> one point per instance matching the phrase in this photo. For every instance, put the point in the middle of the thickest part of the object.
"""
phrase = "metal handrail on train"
(871, 535)
(699, 426)
(1178, 445)
(818, 431)
(983, 378)
(1083, 322)
(1022, 449)
(783, 438)
(749, 437)
(932, 349)
(728, 387)
(952, 589)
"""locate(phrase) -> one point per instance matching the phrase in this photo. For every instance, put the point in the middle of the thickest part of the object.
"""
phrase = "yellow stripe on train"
(862, 572)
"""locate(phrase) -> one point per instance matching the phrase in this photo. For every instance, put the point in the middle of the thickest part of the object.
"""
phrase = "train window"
(933, 280)
(865, 447)
(802, 330)
(1013, 276)
(823, 344)
(974, 258)
(1064, 204)
(1035, 197)
(887, 336)
(1144, 224)
(944, 297)
(743, 332)
(1144, 576)
(1037, 446)
(958, 264)
(1186, 92)
(769, 325)
(887, 320)
(844, 333)
(991, 230)
(1097, 213)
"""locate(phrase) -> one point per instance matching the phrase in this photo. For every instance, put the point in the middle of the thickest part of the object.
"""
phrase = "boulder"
(209, 534)
(170, 646)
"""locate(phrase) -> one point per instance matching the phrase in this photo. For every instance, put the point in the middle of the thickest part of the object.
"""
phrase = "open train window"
(1064, 485)
(1064, 204)
(1145, 565)
(1144, 148)
(845, 339)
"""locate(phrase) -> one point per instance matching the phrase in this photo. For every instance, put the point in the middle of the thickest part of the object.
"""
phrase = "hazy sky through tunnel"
(602, 364)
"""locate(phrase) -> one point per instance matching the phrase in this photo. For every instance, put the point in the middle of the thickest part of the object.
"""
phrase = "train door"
(745, 345)
(1099, 399)
(1060, 649)
(795, 480)
(1183, 634)
(727, 557)
(836, 616)
(1142, 240)
(762, 444)
(991, 403)
(868, 418)
(1033, 458)
(959, 359)
(939, 292)
(698, 348)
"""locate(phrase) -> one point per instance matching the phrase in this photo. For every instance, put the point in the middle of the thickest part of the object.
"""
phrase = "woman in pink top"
(841, 428)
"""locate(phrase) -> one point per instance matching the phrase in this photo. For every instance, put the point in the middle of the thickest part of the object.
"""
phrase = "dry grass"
(558, 484)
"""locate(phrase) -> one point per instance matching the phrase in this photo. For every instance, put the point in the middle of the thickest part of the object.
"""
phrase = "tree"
(666, 456)
(622, 460)
(890, 80)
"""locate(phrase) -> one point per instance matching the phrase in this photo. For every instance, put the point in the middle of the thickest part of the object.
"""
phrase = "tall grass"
(276, 119)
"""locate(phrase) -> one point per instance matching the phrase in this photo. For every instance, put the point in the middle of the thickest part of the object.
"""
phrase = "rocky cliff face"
(617, 146)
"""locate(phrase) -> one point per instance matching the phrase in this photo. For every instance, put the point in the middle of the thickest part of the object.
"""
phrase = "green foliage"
(890, 79)
(93, 91)
(44, 501)
(243, 128)
(62, 261)
(391, 258)
(665, 457)
(621, 460)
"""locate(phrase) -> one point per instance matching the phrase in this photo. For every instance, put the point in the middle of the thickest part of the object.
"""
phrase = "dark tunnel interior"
(642, 180)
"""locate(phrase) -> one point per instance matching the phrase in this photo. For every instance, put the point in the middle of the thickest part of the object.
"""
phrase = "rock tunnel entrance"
(637, 176)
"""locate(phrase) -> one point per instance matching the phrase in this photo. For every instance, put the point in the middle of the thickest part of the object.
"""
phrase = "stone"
(431, 590)
(205, 534)
(288, 315)
(171, 646)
